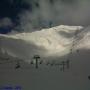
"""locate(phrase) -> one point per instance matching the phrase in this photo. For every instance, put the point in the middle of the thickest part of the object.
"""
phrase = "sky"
(32, 15)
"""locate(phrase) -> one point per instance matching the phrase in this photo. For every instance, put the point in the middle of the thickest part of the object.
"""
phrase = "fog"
(49, 13)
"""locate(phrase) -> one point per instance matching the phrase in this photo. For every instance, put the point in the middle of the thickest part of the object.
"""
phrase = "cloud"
(6, 22)
(46, 12)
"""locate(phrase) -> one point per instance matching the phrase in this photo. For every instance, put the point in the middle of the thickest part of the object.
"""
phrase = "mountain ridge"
(56, 41)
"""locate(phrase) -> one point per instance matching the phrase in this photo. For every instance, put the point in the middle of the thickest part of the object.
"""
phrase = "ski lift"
(17, 65)
(36, 57)
(63, 66)
(67, 63)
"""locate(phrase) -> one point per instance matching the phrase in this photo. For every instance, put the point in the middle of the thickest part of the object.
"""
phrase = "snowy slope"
(55, 43)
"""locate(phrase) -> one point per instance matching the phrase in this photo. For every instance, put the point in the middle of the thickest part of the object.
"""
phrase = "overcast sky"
(30, 15)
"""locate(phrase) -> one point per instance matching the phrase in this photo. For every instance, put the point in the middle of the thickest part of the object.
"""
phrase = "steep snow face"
(83, 39)
(46, 42)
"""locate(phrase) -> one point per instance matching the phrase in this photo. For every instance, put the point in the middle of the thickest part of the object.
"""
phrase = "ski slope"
(58, 43)
(46, 42)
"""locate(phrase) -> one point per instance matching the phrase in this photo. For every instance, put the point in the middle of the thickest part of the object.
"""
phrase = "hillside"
(55, 41)
(54, 45)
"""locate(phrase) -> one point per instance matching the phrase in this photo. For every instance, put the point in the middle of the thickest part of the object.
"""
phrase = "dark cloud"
(29, 15)
(44, 12)
(10, 9)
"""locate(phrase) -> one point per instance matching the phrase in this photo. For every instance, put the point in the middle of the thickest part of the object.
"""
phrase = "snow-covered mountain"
(57, 43)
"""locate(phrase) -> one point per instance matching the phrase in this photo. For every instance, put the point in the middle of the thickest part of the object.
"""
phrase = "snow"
(51, 44)
(46, 42)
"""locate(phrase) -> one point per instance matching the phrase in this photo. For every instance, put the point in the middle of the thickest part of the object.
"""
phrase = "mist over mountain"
(56, 41)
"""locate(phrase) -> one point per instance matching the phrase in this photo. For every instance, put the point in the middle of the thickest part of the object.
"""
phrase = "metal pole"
(63, 64)
(36, 63)
(67, 62)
